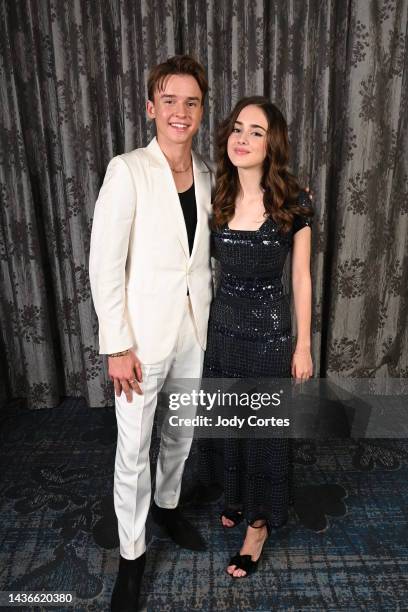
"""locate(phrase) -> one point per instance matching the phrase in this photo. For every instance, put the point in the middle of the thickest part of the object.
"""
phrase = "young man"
(151, 286)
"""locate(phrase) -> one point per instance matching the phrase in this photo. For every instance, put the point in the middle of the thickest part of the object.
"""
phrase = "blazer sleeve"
(114, 215)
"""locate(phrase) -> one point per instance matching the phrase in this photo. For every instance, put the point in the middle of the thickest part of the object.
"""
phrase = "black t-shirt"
(189, 208)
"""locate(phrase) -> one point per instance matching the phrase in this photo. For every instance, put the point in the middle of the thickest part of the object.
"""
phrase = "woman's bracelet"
(120, 354)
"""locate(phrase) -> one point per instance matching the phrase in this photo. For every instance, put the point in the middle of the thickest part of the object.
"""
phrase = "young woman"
(260, 214)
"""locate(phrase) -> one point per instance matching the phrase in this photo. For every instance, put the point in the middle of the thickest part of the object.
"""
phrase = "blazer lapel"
(202, 185)
(165, 188)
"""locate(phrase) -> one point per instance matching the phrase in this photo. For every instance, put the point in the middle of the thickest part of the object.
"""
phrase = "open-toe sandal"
(232, 515)
(245, 562)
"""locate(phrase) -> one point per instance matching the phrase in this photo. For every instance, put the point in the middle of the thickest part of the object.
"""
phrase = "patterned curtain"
(72, 94)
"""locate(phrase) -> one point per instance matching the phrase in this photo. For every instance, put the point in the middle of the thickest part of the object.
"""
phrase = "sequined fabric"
(249, 335)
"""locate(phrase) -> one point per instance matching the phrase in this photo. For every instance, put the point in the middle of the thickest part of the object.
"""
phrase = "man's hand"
(126, 372)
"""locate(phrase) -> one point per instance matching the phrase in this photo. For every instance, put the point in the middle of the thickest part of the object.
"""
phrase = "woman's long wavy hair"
(281, 188)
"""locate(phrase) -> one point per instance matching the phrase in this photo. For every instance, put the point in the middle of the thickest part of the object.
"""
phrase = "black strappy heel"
(245, 562)
(232, 515)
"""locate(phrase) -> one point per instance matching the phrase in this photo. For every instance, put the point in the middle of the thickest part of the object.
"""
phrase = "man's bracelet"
(120, 354)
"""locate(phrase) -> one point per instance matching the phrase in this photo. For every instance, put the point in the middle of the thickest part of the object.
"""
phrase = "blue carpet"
(344, 548)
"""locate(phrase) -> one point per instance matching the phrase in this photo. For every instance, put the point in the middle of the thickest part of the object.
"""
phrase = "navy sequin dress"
(249, 335)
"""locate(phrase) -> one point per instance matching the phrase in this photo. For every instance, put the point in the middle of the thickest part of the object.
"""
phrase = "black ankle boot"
(175, 524)
(125, 594)
(200, 494)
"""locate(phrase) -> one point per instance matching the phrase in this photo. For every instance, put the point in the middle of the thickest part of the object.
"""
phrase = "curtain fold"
(73, 93)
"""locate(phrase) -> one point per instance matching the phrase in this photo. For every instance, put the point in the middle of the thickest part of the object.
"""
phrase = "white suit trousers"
(132, 480)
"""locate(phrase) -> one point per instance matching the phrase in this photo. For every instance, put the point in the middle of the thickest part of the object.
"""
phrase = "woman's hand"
(309, 193)
(302, 365)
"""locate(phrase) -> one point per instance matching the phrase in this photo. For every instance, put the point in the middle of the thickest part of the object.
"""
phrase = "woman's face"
(246, 145)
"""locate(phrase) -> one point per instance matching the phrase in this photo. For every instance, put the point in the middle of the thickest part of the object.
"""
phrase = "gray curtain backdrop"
(72, 95)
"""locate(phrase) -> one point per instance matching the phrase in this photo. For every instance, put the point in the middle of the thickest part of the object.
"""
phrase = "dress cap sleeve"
(301, 221)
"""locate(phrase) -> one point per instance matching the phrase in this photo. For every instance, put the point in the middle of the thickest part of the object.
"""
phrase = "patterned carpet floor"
(345, 547)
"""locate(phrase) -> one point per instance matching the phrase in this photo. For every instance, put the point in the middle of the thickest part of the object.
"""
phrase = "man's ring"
(132, 380)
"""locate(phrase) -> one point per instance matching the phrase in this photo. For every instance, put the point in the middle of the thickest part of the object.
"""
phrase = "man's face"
(177, 109)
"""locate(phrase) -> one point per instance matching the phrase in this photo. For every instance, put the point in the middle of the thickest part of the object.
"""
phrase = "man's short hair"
(178, 64)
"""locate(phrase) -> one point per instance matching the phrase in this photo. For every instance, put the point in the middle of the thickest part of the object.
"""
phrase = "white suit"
(140, 270)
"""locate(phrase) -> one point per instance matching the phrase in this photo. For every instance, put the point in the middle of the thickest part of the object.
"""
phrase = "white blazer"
(140, 266)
